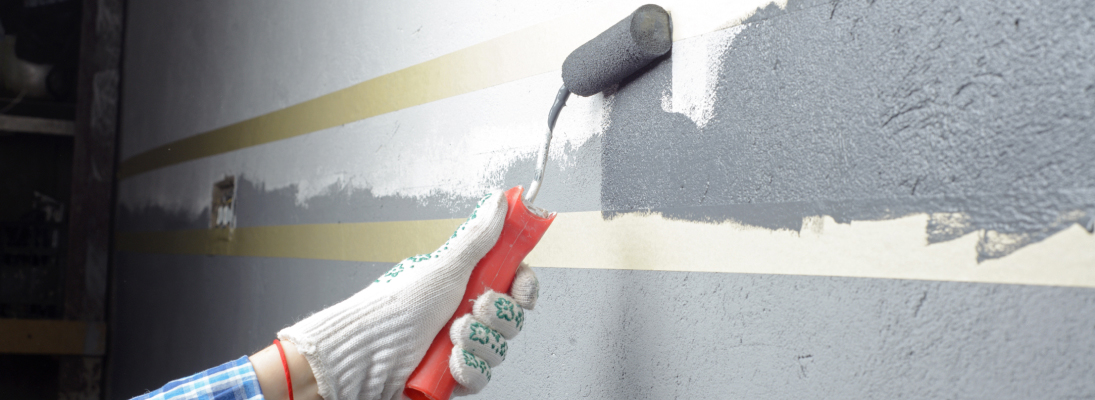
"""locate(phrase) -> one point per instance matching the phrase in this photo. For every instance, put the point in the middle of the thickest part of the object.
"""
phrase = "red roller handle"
(522, 229)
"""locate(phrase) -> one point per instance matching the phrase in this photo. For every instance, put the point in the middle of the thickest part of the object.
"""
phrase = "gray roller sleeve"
(618, 52)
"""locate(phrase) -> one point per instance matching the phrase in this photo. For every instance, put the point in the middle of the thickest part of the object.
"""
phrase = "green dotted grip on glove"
(521, 230)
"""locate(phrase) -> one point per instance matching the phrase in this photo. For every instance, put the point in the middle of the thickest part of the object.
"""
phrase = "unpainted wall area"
(655, 335)
(859, 110)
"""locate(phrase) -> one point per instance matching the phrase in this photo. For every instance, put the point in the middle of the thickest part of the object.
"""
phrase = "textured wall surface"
(979, 108)
(977, 114)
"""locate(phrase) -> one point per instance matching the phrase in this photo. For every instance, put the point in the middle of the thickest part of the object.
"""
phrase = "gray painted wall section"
(653, 335)
(865, 110)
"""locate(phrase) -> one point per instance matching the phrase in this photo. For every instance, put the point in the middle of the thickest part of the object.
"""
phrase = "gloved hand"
(366, 346)
(479, 338)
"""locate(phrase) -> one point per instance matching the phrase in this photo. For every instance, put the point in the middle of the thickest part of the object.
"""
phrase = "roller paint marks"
(811, 121)
(591, 117)
(697, 17)
(337, 159)
(280, 69)
(310, 174)
(247, 65)
(697, 63)
(444, 151)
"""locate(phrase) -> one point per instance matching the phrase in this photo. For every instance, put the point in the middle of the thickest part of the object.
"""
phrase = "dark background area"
(44, 130)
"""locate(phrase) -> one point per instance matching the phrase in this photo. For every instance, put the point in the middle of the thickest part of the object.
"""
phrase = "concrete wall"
(816, 199)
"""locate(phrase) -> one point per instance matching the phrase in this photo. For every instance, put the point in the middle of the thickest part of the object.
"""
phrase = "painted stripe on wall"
(894, 249)
(522, 54)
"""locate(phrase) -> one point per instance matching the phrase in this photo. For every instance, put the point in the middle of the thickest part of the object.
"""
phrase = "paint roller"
(607, 59)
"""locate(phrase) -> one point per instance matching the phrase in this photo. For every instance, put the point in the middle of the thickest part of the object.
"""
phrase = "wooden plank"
(92, 204)
(36, 125)
(55, 337)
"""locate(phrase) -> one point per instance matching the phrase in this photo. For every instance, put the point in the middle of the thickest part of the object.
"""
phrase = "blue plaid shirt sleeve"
(234, 380)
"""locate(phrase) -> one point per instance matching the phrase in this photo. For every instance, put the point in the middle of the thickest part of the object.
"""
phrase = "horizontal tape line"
(893, 249)
(525, 53)
(57, 337)
(368, 241)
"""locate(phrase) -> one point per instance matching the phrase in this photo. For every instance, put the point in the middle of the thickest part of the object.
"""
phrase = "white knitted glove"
(479, 339)
(366, 346)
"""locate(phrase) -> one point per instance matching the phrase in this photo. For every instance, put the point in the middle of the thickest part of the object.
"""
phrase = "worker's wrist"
(270, 372)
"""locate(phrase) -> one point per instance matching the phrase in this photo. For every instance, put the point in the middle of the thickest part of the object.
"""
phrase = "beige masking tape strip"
(895, 249)
(525, 53)
(25, 336)
(368, 241)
